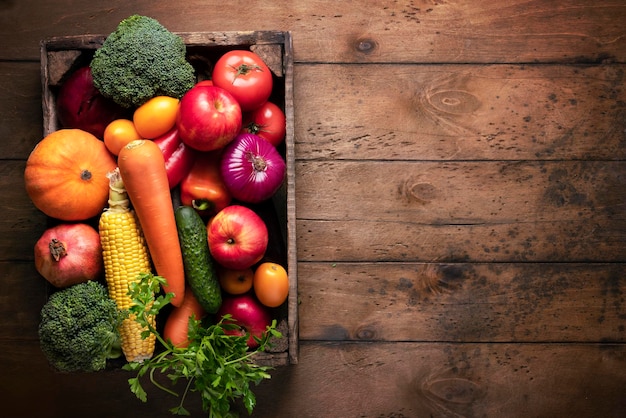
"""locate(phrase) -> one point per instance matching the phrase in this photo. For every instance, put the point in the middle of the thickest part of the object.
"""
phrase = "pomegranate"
(69, 254)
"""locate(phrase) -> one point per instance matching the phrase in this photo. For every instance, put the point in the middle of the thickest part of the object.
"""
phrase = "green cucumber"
(199, 265)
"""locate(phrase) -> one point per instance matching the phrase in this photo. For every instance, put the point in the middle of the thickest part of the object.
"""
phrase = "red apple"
(250, 315)
(209, 117)
(237, 237)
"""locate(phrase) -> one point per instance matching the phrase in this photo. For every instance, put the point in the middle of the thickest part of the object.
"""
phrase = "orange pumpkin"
(65, 175)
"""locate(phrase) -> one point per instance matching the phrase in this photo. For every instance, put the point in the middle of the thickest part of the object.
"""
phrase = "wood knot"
(365, 333)
(421, 192)
(365, 46)
(454, 101)
(455, 390)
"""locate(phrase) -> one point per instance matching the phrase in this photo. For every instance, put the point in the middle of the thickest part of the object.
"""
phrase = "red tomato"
(245, 75)
(271, 284)
(267, 121)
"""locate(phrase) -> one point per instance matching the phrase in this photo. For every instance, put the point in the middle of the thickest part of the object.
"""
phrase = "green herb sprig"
(217, 366)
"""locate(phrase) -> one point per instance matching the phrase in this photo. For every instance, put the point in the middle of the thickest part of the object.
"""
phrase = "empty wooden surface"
(460, 201)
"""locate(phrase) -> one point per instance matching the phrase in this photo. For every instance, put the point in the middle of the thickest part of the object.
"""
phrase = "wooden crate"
(61, 55)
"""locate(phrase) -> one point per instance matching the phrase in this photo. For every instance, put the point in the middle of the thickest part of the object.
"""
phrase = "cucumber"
(197, 260)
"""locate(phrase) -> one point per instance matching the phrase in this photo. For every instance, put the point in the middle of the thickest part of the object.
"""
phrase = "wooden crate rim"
(200, 38)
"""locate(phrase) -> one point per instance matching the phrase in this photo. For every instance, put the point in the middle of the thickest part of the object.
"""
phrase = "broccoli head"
(139, 60)
(78, 330)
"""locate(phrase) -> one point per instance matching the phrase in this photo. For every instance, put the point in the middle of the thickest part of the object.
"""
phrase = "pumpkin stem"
(118, 197)
(85, 175)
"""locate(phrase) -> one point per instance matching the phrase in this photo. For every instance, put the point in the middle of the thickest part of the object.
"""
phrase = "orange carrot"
(143, 172)
(177, 323)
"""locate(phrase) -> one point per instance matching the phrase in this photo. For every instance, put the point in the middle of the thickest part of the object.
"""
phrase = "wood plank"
(360, 240)
(21, 223)
(444, 193)
(460, 112)
(360, 380)
(462, 302)
(372, 31)
(24, 295)
(21, 119)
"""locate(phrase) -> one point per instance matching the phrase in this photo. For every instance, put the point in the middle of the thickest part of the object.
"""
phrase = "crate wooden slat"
(60, 55)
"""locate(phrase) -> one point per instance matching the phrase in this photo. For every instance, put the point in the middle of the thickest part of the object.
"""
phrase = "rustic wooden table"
(460, 207)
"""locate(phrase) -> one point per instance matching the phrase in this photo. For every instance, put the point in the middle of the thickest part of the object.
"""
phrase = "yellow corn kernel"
(126, 257)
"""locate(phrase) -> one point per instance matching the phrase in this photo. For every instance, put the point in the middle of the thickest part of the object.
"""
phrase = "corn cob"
(125, 256)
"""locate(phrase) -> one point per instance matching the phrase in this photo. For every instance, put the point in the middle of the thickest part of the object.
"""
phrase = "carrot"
(177, 323)
(143, 172)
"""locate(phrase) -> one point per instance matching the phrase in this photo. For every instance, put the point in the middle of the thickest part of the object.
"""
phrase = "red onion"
(80, 104)
(251, 168)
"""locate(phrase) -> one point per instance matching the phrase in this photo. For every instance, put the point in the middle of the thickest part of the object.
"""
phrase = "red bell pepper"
(178, 157)
(203, 187)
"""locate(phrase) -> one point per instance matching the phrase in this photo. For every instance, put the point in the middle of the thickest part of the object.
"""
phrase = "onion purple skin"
(80, 105)
(252, 169)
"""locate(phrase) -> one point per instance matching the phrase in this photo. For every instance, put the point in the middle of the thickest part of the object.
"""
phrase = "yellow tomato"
(118, 133)
(271, 284)
(156, 116)
(236, 282)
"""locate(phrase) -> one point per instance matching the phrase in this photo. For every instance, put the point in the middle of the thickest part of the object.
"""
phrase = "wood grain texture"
(20, 109)
(495, 112)
(461, 112)
(29, 292)
(363, 31)
(348, 240)
(462, 302)
(21, 224)
(460, 199)
(368, 380)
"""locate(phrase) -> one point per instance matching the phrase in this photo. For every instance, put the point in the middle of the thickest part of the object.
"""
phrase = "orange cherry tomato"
(271, 284)
(118, 133)
(156, 116)
(235, 282)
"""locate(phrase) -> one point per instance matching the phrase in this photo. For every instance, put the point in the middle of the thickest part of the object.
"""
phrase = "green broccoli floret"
(139, 60)
(78, 330)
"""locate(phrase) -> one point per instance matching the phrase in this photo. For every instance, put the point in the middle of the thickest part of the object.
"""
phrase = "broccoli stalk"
(139, 60)
(78, 330)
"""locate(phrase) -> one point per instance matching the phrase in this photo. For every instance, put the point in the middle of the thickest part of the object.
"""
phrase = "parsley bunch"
(217, 366)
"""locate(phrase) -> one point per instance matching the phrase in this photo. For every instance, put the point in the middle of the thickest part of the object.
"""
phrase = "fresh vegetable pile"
(162, 183)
